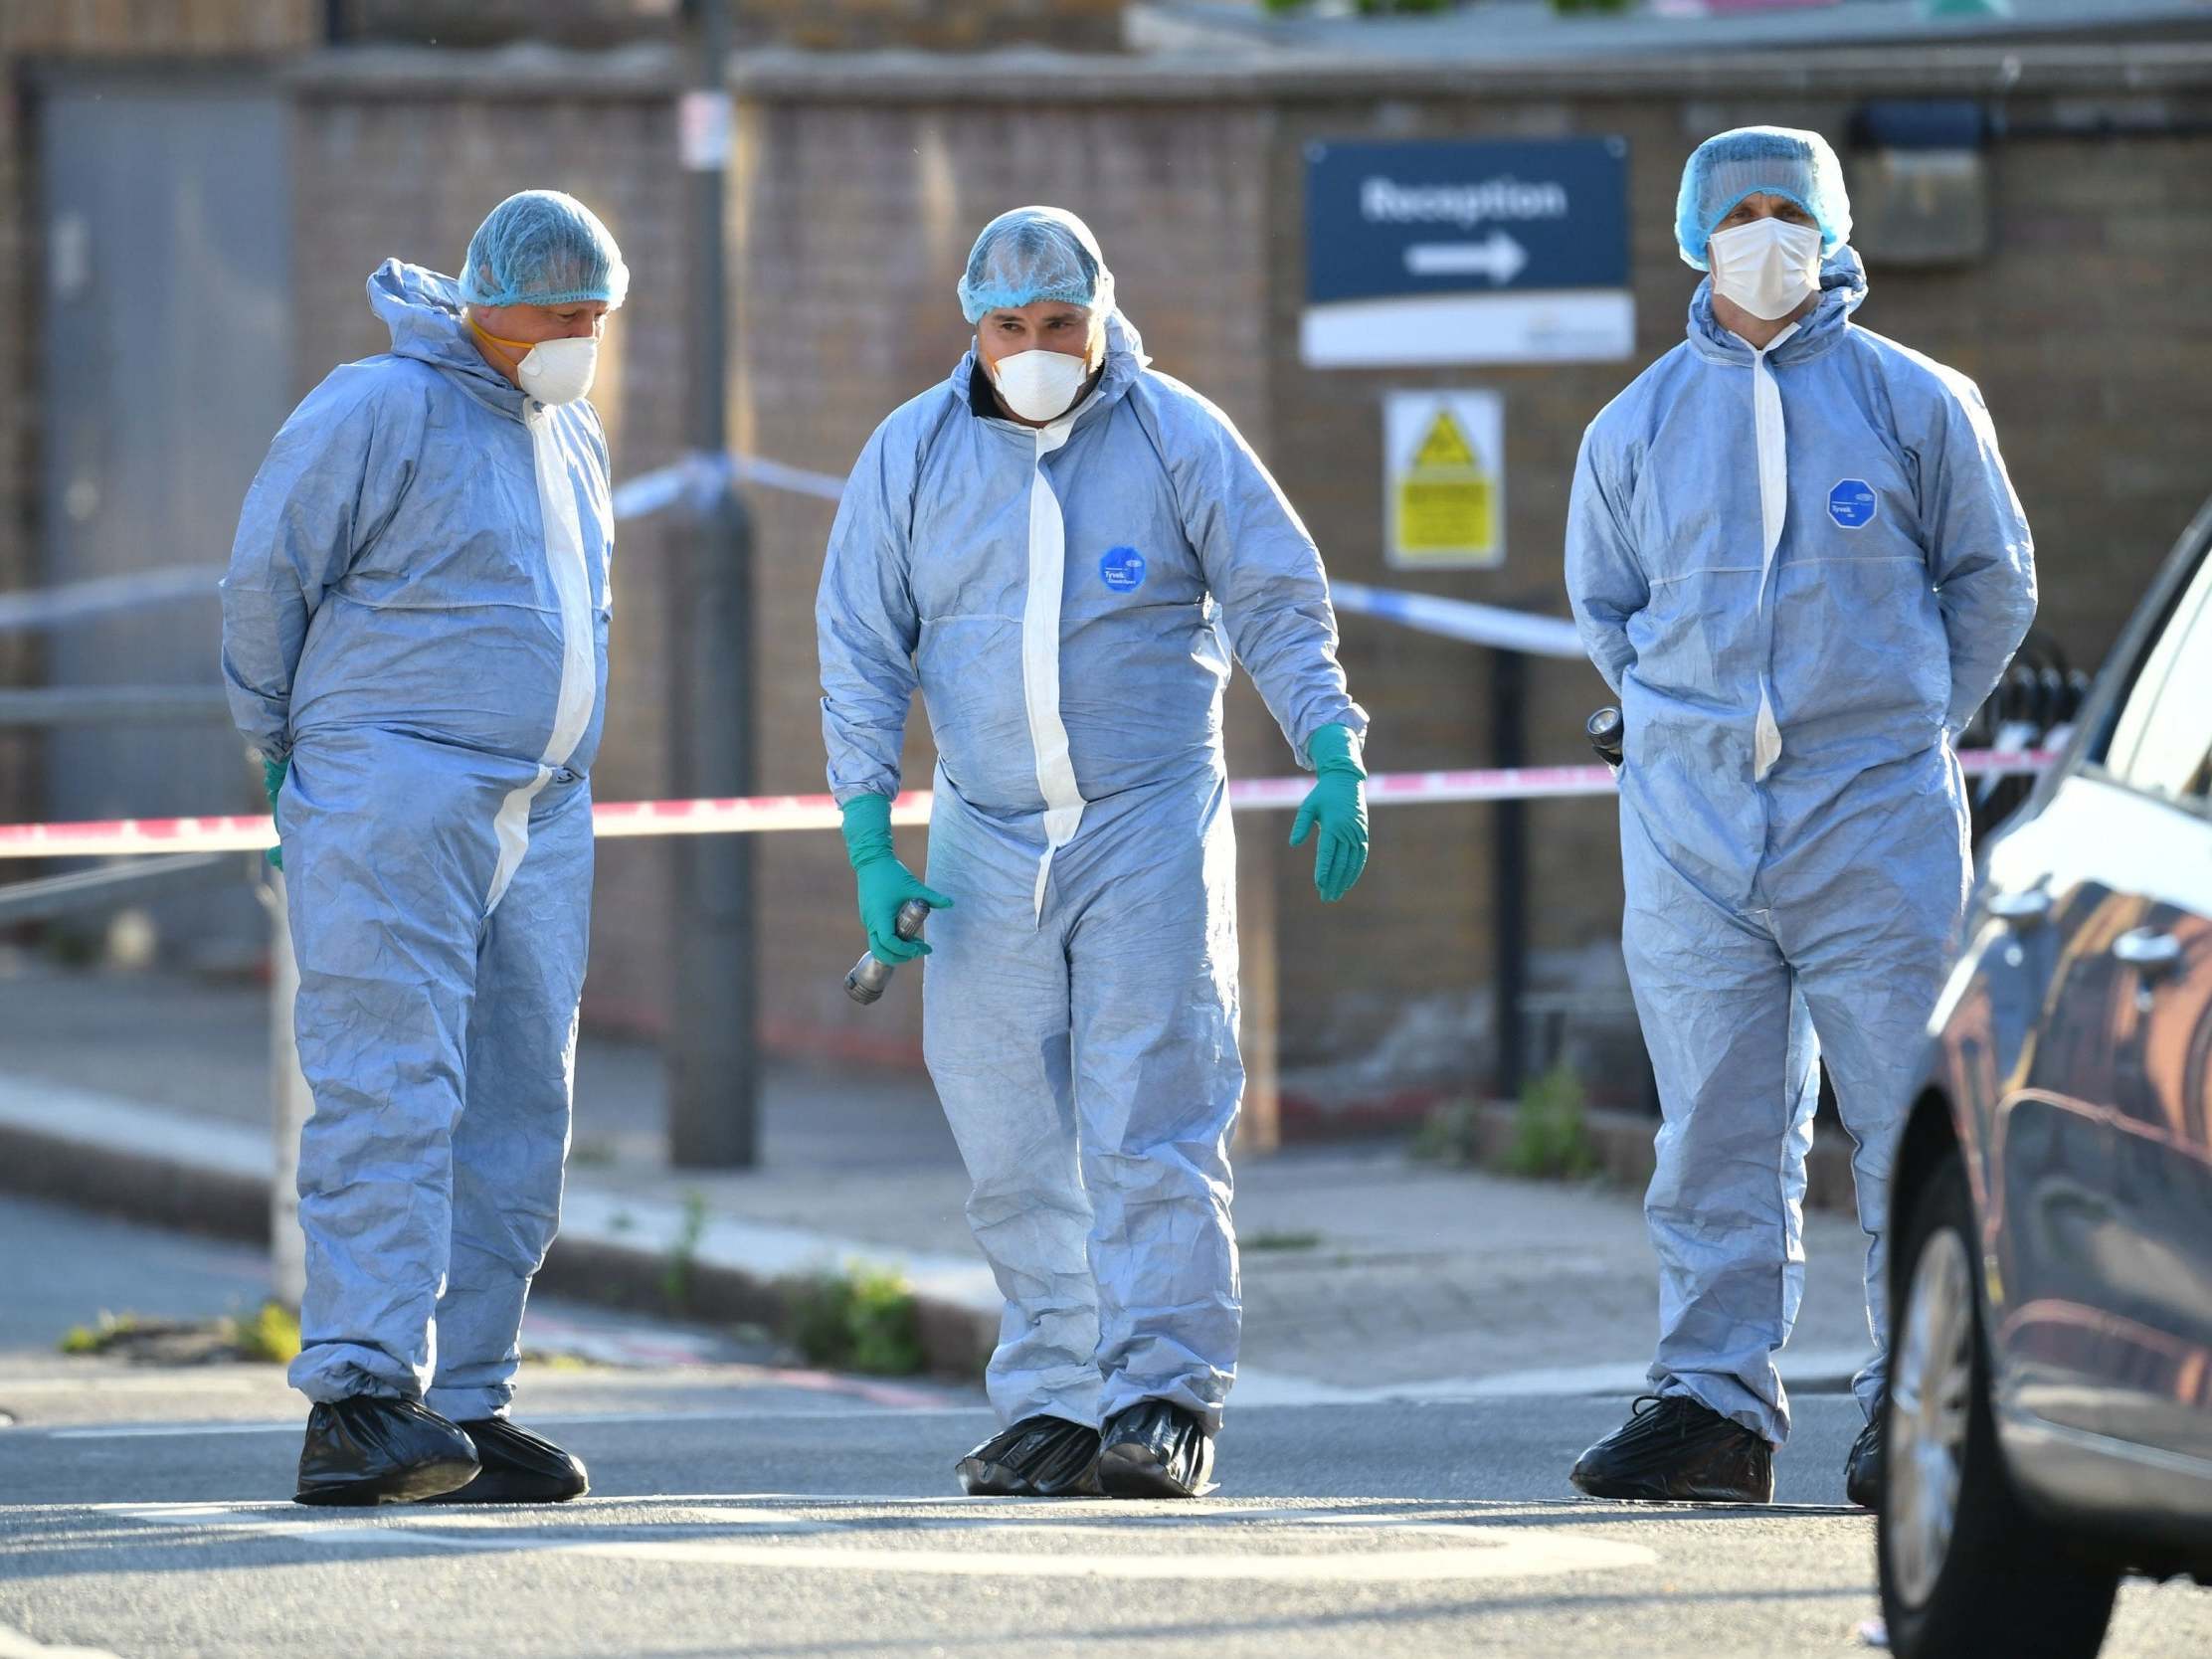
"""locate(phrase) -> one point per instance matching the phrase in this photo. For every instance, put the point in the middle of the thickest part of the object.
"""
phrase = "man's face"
(526, 325)
(1758, 207)
(1043, 325)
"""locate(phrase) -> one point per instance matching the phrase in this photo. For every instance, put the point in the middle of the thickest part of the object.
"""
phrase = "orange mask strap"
(518, 348)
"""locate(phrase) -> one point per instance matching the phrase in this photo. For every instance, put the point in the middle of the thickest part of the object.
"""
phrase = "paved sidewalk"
(1364, 1272)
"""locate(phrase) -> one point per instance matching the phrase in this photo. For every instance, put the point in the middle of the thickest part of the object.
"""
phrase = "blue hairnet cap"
(1033, 254)
(541, 248)
(1760, 162)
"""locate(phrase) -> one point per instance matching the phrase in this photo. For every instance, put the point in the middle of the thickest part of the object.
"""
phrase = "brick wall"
(859, 188)
(938, 25)
(579, 23)
(153, 28)
(820, 25)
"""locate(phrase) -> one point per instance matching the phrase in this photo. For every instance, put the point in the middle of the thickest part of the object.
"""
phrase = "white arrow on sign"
(1499, 257)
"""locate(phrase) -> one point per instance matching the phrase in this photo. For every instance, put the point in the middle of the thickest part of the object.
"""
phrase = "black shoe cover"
(374, 1450)
(1862, 1471)
(518, 1468)
(1155, 1450)
(1038, 1458)
(1679, 1450)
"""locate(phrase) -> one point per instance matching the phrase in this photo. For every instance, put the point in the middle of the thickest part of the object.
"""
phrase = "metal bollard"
(864, 985)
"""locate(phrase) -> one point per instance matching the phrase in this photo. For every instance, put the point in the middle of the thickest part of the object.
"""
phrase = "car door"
(2100, 1213)
(2155, 1268)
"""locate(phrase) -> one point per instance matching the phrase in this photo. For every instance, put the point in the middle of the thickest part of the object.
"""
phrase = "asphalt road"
(739, 1508)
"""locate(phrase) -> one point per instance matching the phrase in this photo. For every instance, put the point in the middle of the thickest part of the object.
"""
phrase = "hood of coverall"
(1125, 361)
(1843, 289)
(424, 311)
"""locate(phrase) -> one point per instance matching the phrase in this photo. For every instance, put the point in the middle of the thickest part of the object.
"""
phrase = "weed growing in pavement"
(272, 1334)
(863, 1318)
(1447, 1135)
(95, 1339)
(592, 1153)
(1547, 1137)
(680, 1275)
(1550, 1131)
(267, 1335)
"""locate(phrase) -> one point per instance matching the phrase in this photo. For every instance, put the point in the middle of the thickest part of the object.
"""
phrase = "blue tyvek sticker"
(1851, 504)
(1122, 569)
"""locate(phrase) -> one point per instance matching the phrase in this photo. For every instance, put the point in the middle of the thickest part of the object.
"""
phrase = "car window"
(2161, 732)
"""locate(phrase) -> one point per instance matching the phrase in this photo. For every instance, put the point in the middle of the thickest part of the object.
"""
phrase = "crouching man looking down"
(1060, 547)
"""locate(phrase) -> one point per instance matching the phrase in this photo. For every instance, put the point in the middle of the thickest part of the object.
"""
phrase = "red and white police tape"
(139, 836)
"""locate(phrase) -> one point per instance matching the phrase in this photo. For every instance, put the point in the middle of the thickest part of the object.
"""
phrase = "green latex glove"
(884, 882)
(1337, 805)
(272, 780)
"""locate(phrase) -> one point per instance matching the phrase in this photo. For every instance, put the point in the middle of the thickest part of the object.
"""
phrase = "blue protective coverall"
(416, 613)
(1803, 570)
(1059, 596)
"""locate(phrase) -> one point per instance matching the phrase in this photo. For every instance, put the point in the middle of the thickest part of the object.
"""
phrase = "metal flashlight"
(872, 974)
(1606, 729)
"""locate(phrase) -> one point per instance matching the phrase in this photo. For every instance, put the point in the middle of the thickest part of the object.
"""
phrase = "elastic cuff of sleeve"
(868, 830)
(1334, 748)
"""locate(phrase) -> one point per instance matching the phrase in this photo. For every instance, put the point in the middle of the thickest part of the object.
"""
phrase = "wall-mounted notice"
(1467, 252)
(1444, 480)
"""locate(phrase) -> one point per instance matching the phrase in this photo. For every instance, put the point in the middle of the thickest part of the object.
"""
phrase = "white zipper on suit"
(1040, 658)
(1773, 507)
(567, 564)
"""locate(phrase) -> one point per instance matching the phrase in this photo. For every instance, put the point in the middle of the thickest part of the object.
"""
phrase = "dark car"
(2048, 1424)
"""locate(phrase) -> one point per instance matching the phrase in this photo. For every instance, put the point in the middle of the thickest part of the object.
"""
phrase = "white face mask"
(559, 371)
(1041, 385)
(1769, 266)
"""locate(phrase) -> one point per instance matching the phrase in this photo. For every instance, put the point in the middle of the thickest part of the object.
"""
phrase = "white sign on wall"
(1467, 251)
(1444, 481)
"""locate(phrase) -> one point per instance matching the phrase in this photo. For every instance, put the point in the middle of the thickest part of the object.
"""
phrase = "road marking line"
(1481, 1551)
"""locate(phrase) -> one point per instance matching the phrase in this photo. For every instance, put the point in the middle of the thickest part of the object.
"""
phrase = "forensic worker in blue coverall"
(1793, 553)
(1060, 548)
(415, 640)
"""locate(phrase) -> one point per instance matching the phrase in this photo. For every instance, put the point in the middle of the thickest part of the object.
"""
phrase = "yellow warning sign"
(1444, 494)
(1445, 516)
(1445, 447)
